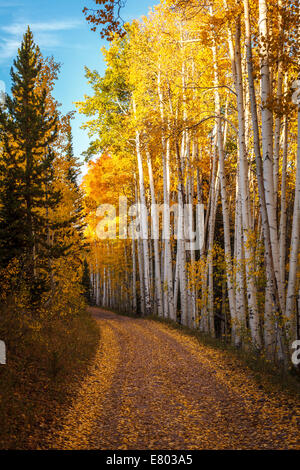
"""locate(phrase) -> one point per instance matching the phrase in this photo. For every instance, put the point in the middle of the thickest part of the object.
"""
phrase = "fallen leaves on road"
(153, 387)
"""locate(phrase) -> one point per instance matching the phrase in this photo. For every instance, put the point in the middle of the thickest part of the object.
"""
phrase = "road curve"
(153, 387)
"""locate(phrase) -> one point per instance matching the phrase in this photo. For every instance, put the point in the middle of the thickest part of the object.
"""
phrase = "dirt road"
(153, 387)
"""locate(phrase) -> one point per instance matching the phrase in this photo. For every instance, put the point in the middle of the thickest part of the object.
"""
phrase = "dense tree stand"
(152, 300)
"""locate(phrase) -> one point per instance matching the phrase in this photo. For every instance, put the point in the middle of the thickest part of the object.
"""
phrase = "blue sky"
(60, 30)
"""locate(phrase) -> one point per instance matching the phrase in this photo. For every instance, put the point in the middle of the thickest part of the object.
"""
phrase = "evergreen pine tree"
(27, 131)
(72, 175)
(73, 170)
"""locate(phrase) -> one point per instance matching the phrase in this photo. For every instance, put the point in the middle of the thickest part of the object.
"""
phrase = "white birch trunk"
(224, 199)
(134, 300)
(267, 145)
(144, 223)
(244, 184)
(155, 236)
(294, 251)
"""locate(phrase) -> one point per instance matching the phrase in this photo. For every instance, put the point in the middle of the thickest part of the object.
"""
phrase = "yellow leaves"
(87, 408)
(107, 178)
(152, 387)
(32, 398)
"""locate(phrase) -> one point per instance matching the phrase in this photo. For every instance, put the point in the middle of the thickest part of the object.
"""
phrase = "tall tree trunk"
(144, 223)
(155, 236)
(169, 309)
(244, 184)
(283, 207)
(270, 270)
(294, 251)
(224, 198)
(134, 299)
(267, 144)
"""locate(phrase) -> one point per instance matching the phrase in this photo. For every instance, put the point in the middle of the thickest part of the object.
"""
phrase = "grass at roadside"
(43, 372)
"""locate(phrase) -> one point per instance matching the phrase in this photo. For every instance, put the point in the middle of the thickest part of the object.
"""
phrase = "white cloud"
(8, 47)
(49, 26)
(45, 34)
